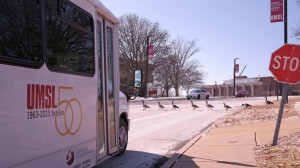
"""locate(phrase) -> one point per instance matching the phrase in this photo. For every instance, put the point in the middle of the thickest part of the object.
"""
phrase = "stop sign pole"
(285, 66)
(282, 103)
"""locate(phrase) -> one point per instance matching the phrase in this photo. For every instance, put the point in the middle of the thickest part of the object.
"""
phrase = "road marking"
(153, 116)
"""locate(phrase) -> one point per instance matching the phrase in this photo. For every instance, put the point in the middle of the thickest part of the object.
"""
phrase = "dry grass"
(287, 151)
(285, 154)
(259, 113)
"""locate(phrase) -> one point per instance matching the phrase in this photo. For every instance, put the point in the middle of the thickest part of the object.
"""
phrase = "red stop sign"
(285, 64)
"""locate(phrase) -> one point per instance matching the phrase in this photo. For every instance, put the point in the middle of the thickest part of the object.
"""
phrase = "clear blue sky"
(224, 30)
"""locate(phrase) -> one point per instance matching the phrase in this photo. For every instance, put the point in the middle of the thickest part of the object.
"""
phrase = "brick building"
(259, 86)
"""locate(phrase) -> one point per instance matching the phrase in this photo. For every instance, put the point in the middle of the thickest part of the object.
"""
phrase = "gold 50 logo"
(70, 122)
(41, 103)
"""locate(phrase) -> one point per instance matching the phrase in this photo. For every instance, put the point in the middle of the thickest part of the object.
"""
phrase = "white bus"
(60, 103)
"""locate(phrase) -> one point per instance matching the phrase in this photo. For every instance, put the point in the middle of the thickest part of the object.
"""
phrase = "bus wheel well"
(124, 118)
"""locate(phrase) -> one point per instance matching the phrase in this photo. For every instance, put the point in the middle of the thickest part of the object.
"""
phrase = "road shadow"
(134, 159)
(195, 162)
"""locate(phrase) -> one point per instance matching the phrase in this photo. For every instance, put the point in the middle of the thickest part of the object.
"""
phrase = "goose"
(193, 105)
(226, 106)
(246, 105)
(174, 106)
(161, 107)
(268, 102)
(209, 106)
(145, 106)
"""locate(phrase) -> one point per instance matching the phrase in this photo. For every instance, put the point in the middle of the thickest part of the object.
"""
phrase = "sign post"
(282, 103)
(285, 66)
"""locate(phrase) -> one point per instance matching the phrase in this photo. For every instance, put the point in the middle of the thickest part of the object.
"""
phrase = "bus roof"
(104, 12)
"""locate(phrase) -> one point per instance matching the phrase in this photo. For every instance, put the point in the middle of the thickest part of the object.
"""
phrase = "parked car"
(198, 94)
(242, 93)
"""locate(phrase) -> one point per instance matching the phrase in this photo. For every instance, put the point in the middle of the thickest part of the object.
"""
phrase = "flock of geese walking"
(209, 106)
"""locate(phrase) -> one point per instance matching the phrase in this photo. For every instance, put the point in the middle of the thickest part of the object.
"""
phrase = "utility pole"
(234, 76)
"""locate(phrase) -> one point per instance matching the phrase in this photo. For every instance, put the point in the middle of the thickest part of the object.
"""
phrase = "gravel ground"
(287, 152)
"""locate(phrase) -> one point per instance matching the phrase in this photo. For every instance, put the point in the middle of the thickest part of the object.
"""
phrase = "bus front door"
(106, 117)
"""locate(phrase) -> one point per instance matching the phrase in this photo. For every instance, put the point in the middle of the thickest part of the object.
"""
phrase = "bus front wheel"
(123, 137)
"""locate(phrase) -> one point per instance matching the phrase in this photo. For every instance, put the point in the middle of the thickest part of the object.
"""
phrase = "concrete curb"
(188, 145)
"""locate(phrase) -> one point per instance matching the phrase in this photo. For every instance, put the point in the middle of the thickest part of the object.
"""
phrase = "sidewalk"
(229, 147)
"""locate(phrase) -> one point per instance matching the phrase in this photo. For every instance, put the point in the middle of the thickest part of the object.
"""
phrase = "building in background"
(258, 86)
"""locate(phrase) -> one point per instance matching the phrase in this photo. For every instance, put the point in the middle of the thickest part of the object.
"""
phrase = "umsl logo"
(40, 96)
(67, 112)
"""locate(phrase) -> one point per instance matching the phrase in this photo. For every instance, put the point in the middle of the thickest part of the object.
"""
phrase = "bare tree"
(171, 63)
(162, 71)
(180, 63)
(296, 31)
(194, 77)
(132, 43)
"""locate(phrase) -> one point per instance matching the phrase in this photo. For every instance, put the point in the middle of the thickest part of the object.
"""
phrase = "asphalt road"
(155, 135)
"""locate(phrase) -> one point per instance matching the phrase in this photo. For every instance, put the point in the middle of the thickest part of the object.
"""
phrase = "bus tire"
(123, 137)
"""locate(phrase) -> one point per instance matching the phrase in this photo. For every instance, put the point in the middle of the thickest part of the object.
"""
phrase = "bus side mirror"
(138, 76)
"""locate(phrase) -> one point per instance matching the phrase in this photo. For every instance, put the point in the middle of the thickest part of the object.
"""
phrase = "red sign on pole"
(236, 68)
(276, 11)
(285, 64)
(150, 51)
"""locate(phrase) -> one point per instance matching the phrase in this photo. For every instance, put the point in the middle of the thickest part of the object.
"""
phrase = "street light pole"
(234, 76)
(147, 57)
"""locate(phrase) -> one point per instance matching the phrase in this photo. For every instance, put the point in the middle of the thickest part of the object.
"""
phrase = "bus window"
(20, 37)
(70, 43)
